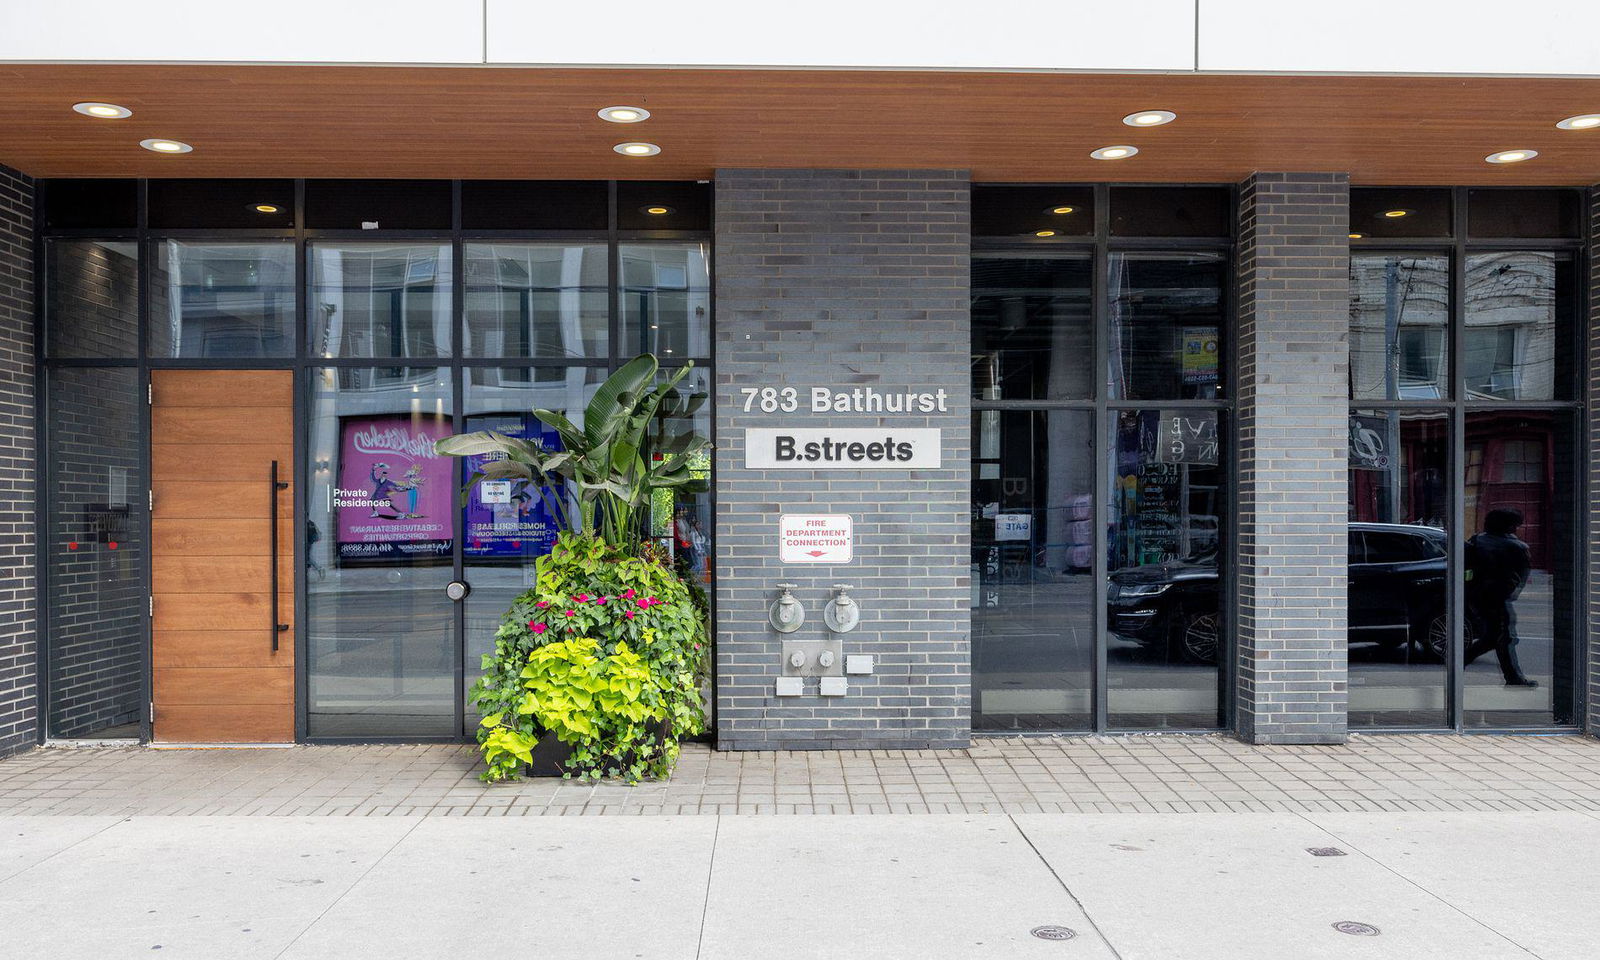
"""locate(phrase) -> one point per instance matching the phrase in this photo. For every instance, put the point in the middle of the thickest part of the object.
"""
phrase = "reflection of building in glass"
(1399, 311)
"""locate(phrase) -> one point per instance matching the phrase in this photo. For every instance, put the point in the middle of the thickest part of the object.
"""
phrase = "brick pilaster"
(1293, 409)
(845, 279)
(19, 681)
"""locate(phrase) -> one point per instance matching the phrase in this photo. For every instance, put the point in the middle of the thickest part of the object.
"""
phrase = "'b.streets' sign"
(859, 448)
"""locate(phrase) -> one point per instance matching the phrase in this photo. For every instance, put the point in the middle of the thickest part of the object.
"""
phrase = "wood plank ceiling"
(540, 123)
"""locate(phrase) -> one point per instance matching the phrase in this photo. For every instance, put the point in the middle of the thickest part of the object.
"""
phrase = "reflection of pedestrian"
(1497, 570)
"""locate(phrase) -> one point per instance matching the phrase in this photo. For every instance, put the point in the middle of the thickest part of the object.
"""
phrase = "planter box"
(550, 757)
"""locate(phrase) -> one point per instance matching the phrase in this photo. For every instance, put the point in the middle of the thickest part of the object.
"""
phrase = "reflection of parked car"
(1397, 584)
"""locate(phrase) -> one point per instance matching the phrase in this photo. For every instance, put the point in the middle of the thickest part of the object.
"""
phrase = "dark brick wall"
(1293, 409)
(19, 686)
(1589, 639)
(842, 279)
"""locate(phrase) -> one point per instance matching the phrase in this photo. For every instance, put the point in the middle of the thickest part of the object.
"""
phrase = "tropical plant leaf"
(608, 404)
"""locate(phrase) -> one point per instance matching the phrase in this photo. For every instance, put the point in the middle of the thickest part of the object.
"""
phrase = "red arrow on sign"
(815, 553)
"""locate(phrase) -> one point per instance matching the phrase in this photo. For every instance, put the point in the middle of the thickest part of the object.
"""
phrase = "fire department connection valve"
(842, 613)
(786, 613)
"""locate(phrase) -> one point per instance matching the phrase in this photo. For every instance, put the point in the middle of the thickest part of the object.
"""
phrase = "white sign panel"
(842, 448)
(494, 491)
(815, 538)
(1013, 526)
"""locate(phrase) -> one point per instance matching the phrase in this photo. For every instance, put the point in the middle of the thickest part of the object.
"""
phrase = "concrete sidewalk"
(1451, 886)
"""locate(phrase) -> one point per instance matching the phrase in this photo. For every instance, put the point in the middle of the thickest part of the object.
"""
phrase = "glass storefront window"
(92, 307)
(537, 300)
(1032, 328)
(503, 538)
(1033, 595)
(379, 299)
(665, 300)
(1518, 568)
(1165, 327)
(1164, 612)
(96, 553)
(379, 537)
(1399, 545)
(1518, 317)
(679, 520)
(222, 300)
(1399, 327)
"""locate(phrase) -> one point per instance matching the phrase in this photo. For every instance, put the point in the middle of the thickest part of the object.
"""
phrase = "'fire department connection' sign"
(814, 538)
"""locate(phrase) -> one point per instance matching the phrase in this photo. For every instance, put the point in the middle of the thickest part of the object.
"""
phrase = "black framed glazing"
(1474, 244)
(1020, 237)
(690, 203)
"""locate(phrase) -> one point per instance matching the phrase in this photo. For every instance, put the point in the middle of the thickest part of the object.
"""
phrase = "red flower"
(538, 628)
(627, 594)
(568, 613)
(628, 614)
(581, 597)
(542, 604)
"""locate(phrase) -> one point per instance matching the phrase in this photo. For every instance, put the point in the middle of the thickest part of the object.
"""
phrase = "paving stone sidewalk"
(1131, 774)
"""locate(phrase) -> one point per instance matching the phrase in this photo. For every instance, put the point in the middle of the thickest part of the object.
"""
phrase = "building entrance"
(222, 555)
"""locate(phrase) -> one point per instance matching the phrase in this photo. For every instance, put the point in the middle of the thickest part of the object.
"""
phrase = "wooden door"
(214, 435)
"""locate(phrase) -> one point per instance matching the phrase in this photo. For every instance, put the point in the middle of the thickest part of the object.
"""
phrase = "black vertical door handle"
(272, 512)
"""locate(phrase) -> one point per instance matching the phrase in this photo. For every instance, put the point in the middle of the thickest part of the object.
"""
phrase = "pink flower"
(627, 594)
(538, 628)
(581, 597)
(568, 613)
(628, 614)
(697, 646)
(542, 604)
(602, 600)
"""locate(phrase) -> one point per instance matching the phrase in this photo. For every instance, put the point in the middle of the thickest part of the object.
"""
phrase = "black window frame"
(303, 362)
(1456, 247)
(1100, 245)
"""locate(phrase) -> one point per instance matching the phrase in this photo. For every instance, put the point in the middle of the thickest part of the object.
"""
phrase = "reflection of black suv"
(1397, 595)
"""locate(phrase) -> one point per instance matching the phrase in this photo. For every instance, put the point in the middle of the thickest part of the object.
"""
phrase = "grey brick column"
(19, 682)
(1590, 624)
(845, 279)
(1293, 410)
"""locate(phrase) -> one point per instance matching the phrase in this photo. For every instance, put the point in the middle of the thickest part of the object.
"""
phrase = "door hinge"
(152, 606)
(150, 394)
(152, 494)
(152, 712)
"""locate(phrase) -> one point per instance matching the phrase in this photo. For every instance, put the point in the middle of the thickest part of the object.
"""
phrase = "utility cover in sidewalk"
(1325, 851)
(1356, 928)
(1054, 932)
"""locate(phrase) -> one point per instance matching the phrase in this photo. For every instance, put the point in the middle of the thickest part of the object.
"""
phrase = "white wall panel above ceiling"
(313, 31)
(940, 34)
(1525, 37)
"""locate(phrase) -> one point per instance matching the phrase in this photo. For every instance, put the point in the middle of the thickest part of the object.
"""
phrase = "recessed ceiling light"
(656, 211)
(1060, 211)
(624, 114)
(165, 146)
(1511, 156)
(1395, 214)
(103, 111)
(266, 208)
(1357, 236)
(1119, 152)
(1583, 121)
(1044, 233)
(1149, 118)
(637, 149)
